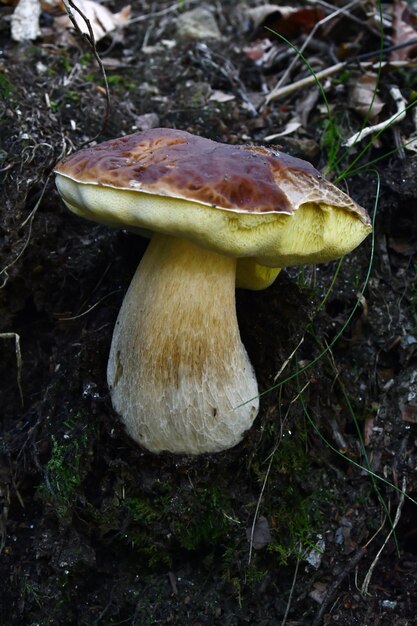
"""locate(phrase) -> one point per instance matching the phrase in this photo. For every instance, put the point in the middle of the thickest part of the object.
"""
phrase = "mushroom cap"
(244, 201)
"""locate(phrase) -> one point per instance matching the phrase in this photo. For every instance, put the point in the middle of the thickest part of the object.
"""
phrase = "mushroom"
(220, 215)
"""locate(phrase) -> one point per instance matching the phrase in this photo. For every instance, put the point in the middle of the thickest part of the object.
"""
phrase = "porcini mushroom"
(178, 373)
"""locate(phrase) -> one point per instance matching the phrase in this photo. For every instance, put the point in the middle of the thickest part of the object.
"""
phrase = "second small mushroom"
(221, 215)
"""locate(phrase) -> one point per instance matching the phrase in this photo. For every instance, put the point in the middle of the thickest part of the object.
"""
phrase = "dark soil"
(95, 530)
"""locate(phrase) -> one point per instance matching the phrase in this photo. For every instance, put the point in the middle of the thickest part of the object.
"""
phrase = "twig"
(296, 59)
(367, 579)
(343, 10)
(5, 496)
(91, 308)
(106, 608)
(25, 245)
(174, 8)
(394, 119)
(18, 353)
(336, 584)
(294, 579)
(329, 71)
(284, 365)
(69, 5)
(268, 470)
(305, 82)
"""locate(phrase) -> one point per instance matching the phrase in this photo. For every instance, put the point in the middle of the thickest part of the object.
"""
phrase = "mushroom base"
(178, 372)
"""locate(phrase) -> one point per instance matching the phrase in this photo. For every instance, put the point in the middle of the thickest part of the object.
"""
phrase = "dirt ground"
(311, 519)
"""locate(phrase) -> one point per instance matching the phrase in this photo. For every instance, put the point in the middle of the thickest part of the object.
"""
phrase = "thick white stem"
(178, 372)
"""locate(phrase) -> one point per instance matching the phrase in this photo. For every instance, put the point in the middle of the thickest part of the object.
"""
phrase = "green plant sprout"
(66, 468)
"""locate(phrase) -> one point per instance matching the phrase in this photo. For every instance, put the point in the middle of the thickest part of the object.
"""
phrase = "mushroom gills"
(178, 372)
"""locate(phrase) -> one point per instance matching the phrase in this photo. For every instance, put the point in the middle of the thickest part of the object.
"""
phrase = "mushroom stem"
(178, 372)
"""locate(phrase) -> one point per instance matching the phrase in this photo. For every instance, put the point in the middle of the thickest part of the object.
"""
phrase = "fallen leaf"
(52, 6)
(403, 31)
(363, 97)
(259, 15)
(290, 127)
(343, 533)
(221, 96)
(404, 247)
(261, 534)
(102, 20)
(285, 20)
(256, 51)
(368, 430)
(409, 412)
(318, 592)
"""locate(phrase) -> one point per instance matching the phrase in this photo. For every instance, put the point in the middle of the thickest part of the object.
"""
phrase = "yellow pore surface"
(314, 233)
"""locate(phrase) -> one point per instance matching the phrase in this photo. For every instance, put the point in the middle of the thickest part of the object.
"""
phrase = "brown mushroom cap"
(178, 164)
(242, 201)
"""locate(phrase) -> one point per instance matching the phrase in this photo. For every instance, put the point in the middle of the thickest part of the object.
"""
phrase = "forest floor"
(312, 519)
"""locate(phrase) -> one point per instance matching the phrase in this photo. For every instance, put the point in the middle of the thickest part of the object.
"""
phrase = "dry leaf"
(343, 535)
(101, 19)
(368, 430)
(318, 592)
(285, 20)
(221, 96)
(259, 15)
(409, 412)
(52, 6)
(290, 127)
(257, 50)
(363, 97)
(405, 247)
(261, 534)
(402, 31)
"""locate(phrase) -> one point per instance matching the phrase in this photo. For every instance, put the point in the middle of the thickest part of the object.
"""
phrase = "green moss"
(120, 83)
(5, 87)
(86, 59)
(91, 77)
(145, 531)
(161, 526)
(292, 511)
(71, 96)
(144, 511)
(296, 519)
(203, 521)
(291, 457)
(67, 466)
(197, 515)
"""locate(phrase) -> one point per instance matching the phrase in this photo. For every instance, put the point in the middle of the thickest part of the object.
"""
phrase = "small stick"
(394, 119)
(320, 23)
(284, 365)
(329, 71)
(367, 579)
(29, 220)
(336, 584)
(271, 458)
(304, 82)
(69, 5)
(294, 580)
(18, 353)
